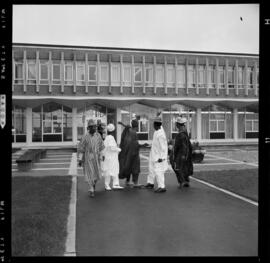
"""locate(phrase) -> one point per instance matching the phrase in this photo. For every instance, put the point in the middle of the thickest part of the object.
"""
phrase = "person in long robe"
(89, 151)
(182, 154)
(129, 158)
(110, 165)
(158, 159)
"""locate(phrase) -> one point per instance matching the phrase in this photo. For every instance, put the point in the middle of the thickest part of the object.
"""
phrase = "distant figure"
(101, 129)
(182, 154)
(89, 151)
(158, 162)
(129, 159)
(111, 164)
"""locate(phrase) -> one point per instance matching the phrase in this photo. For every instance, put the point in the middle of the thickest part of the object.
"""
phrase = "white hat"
(110, 127)
(181, 120)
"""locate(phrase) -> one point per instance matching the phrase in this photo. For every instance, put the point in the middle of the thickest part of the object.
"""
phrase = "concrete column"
(25, 71)
(217, 81)
(28, 125)
(235, 124)
(197, 75)
(206, 75)
(62, 72)
(154, 74)
(187, 76)
(176, 80)
(86, 73)
(143, 74)
(226, 76)
(74, 73)
(246, 77)
(236, 77)
(51, 75)
(118, 127)
(165, 75)
(74, 126)
(199, 124)
(98, 73)
(255, 84)
(37, 71)
(121, 74)
(132, 74)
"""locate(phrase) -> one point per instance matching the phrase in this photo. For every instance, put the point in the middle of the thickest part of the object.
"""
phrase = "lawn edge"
(70, 246)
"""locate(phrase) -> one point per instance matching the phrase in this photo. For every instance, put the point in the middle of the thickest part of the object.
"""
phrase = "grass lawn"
(242, 182)
(40, 208)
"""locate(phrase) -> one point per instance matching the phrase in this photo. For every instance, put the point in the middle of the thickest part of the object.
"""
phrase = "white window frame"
(221, 70)
(240, 85)
(191, 70)
(201, 70)
(65, 66)
(18, 63)
(170, 69)
(104, 66)
(95, 67)
(181, 71)
(33, 63)
(115, 66)
(160, 73)
(54, 80)
(125, 81)
(211, 72)
(48, 73)
(134, 73)
(217, 122)
(80, 65)
(151, 74)
(250, 73)
(231, 84)
(139, 126)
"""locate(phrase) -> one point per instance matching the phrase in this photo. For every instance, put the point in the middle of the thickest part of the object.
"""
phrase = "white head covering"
(110, 127)
(181, 120)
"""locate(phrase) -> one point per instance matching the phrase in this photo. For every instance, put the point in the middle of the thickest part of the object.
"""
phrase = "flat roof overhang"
(118, 102)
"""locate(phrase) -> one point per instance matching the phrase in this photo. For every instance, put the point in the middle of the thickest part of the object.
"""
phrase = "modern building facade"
(56, 89)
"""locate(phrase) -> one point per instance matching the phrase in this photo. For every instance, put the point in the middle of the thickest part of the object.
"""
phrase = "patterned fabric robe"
(90, 149)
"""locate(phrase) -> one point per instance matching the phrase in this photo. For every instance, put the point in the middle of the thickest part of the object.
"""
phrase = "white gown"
(110, 165)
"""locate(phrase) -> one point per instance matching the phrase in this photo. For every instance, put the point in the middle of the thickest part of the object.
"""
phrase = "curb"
(70, 246)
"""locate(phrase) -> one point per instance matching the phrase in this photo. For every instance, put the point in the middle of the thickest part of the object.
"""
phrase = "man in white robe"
(158, 163)
(110, 165)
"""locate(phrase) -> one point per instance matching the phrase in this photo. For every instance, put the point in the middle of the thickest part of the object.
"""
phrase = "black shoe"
(160, 190)
(149, 186)
(185, 184)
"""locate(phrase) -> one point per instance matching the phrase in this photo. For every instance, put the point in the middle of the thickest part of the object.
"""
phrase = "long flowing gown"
(90, 147)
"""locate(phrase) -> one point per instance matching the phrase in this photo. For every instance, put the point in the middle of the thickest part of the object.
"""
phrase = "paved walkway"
(195, 221)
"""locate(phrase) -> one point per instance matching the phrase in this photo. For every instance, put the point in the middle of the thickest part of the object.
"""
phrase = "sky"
(232, 28)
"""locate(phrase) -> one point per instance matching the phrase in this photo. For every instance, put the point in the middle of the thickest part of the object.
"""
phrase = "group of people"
(100, 156)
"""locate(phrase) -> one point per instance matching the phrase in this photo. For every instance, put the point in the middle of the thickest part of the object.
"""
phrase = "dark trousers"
(135, 178)
(181, 173)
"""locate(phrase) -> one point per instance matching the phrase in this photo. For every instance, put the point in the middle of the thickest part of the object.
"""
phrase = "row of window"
(44, 72)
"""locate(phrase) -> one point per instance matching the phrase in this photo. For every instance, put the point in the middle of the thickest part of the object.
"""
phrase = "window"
(148, 74)
(240, 73)
(170, 74)
(159, 75)
(104, 74)
(211, 76)
(92, 73)
(143, 128)
(201, 76)
(249, 78)
(18, 124)
(56, 71)
(31, 72)
(181, 75)
(18, 72)
(115, 74)
(191, 76)
(80, 73)
(127, 75)
(221, 76)
(68, 73)
(138, 74)
(230, 78)
(43, 73)
(251, 125)
(217, 126)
